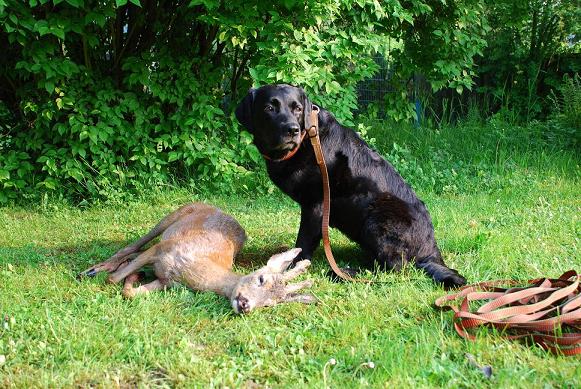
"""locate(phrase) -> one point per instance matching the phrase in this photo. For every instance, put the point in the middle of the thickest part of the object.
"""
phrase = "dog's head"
(276, 115)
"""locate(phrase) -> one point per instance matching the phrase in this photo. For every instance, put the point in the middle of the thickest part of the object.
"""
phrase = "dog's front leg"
(309, 231)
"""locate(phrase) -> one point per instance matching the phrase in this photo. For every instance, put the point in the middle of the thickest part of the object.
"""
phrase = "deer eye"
(269, 108)
(261, 280)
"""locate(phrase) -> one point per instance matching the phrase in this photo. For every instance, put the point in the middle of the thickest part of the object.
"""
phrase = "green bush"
(531, 44)
(565, 121)
(101, 141)
(102, 99)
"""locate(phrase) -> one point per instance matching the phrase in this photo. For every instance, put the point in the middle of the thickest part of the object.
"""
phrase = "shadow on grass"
(71, 256)
(78, 258)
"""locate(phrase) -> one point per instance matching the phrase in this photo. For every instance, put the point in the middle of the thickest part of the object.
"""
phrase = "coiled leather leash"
(546, 311)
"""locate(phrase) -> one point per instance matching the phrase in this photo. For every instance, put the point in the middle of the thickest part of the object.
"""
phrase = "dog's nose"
(293, 129)
(243, 304)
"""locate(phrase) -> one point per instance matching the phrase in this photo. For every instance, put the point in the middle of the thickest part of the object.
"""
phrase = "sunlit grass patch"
(57, 331)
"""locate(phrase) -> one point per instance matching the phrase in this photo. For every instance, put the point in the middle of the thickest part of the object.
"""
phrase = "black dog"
(370, 202)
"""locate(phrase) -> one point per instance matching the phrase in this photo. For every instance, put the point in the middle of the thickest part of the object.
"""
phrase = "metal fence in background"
(374, 89)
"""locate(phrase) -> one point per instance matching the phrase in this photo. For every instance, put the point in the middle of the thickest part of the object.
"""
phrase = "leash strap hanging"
(313, 133)
(545, 311)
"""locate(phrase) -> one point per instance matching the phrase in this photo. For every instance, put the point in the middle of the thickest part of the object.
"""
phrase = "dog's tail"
(435, 267)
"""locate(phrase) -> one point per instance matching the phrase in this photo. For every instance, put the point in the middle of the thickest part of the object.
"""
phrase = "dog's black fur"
(370, 202)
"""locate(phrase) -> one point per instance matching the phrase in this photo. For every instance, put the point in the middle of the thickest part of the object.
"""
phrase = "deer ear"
(244, 110)
(280, 262)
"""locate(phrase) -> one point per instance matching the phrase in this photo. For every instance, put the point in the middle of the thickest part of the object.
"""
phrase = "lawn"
(505, 204)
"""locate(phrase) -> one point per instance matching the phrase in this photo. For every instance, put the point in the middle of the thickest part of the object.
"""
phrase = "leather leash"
(546, 311)
(313, 133)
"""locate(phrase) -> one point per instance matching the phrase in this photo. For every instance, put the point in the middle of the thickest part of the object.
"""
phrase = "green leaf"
(253, 73)
(136, 2)
(58, 32)
(120, 3)
(49, 86)
(49, 184)
(75, 3)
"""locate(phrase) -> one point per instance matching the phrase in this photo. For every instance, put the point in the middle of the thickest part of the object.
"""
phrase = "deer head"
(268, 286)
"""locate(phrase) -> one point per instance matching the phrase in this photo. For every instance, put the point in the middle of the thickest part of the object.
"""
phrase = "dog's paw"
(453, 281)
(298, 259)
(347, 270)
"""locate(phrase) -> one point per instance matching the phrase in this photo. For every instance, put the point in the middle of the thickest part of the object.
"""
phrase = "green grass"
(510, 211)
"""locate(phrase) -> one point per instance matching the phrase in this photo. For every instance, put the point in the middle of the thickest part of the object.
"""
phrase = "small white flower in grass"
(369, 365)
(2, 359)
(330, 362)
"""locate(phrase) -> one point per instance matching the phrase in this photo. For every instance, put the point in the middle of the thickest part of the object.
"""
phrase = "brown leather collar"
(291, 153)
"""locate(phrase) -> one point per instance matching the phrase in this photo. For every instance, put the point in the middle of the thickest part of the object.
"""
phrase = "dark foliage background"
(102, 99)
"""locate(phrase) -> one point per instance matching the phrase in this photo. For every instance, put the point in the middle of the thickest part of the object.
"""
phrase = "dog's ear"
(244, 110)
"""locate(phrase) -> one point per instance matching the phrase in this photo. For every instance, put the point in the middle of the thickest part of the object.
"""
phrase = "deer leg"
(130, 280)
(131, 267)
(112, 264)
(152, 254)
(129, 291)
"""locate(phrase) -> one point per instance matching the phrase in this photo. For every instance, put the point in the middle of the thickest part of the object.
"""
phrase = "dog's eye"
(269, 108)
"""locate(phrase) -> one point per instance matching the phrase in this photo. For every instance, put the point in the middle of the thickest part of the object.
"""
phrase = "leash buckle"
(313, 132)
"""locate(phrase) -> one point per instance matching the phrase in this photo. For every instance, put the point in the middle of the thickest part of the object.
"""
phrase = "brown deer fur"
(197, 248)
